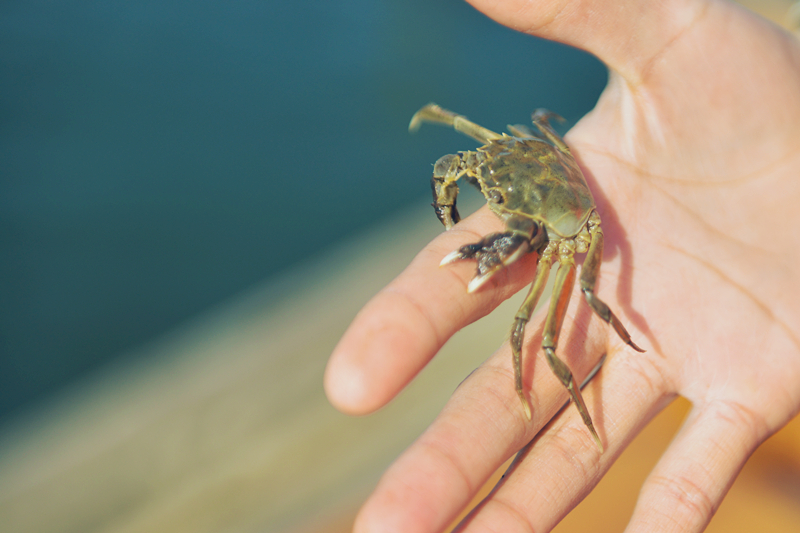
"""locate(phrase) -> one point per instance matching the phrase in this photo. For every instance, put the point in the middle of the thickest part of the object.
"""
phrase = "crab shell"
(530, 178)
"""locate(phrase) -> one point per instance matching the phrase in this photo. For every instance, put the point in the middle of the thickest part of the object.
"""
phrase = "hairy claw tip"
(478, 281)
(452, 257)
(519, 252)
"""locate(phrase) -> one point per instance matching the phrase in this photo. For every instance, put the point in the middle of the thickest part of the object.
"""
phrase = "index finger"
(395, 335)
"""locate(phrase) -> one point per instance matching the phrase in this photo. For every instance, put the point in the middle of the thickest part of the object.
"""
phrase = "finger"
(404, 325)
(695, 473)
(626, 35)
(481, 426)
(553, 474)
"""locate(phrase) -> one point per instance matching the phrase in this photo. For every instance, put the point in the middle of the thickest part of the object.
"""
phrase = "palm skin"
(693, 154)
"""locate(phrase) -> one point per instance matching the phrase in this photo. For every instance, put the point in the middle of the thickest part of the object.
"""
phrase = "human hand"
(693, 156)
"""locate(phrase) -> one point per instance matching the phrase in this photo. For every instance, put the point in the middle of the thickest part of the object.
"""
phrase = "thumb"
(627, 35)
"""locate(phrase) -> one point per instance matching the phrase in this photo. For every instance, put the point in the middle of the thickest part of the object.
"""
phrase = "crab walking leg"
(562, 290)
(591, 266)
(541, 118)
(524, 315)
(434, 113)
(520, 130)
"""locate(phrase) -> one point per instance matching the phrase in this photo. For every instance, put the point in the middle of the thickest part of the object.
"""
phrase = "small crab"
(537, 189)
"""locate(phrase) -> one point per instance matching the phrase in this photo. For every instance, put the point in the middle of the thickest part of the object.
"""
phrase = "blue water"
(158, 157)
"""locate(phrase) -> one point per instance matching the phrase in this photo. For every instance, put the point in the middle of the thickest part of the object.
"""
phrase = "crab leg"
(434, 113)
(524, 315)
(562, 290)
(446, 172)
(449, 168)
(520, 130)
(591, 266)
(541, 118)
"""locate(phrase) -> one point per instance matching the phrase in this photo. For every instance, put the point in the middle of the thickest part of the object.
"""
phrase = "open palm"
(693, 155)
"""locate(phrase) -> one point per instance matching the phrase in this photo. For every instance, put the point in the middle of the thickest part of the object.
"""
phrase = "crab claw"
(493, 252)
(479, 281)
(452, 257)
(488, 265)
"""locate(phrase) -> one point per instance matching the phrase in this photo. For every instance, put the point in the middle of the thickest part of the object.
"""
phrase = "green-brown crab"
(539, 192)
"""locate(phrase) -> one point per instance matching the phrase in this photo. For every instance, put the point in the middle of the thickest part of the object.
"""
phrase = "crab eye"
(496, 197)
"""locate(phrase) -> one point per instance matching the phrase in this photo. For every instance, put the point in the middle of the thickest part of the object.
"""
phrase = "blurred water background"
(195, 199)
(160, 157)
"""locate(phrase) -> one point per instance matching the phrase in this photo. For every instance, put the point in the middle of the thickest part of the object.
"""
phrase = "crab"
(533, 184)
